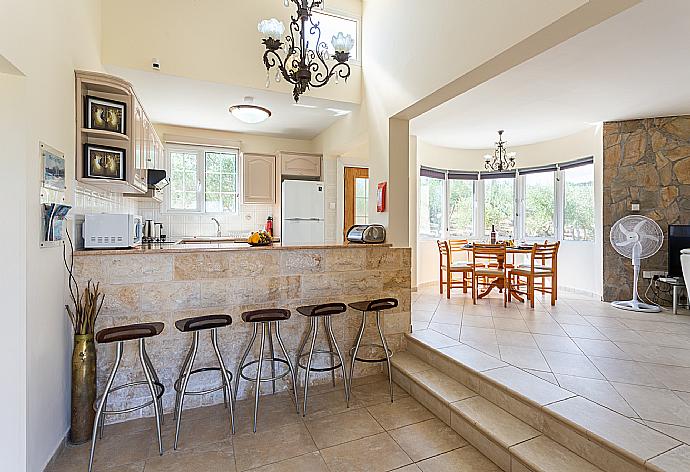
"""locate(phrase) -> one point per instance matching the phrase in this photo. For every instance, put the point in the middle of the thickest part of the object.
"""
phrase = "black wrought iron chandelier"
(501, 159)
(304, 65)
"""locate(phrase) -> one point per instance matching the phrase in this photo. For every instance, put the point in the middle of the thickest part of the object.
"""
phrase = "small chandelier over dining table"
(501, 159)
(305, 65)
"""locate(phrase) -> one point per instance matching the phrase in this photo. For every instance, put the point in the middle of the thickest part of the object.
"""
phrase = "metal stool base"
(178, 383)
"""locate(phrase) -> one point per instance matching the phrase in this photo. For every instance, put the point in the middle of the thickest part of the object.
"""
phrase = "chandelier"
(501, 159)
(305, 65)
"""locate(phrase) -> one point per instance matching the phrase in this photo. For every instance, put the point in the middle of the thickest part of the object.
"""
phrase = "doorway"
(356, 197)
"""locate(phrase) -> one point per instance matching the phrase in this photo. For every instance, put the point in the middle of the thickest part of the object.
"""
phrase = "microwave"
(109, 230)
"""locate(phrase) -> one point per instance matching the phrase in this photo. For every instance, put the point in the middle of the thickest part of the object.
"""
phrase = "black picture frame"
(105, 162)
(96, 106)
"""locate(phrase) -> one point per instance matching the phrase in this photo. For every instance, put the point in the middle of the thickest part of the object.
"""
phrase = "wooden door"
(356, 197)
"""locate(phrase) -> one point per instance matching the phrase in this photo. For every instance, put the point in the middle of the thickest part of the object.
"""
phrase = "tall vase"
(83, 388)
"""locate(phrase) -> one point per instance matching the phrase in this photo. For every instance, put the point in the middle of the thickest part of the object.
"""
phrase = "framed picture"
(104, 162)
(107, 115)
(53, 168)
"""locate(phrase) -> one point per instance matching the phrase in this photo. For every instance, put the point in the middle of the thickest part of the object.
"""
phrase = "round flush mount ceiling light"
(250, 113)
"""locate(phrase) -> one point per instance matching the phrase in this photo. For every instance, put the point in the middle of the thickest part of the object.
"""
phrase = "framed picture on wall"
(106, 115)
(53, 168)
(104, 162)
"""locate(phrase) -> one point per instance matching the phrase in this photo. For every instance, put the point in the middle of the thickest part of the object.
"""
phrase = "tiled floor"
(635, 364)
(373, 435)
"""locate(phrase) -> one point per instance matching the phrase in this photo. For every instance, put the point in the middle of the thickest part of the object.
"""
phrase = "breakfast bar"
(174, 282)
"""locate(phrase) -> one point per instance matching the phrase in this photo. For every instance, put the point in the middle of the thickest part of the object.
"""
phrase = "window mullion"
(201, 180)
(560, 201)
(479, 211)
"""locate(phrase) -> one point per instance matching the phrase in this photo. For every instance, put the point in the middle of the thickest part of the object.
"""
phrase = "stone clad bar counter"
(168, 284)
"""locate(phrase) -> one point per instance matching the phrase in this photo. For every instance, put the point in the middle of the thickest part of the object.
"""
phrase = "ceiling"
(199, 104)
(634, 65)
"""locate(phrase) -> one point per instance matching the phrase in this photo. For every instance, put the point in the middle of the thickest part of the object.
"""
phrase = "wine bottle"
(493, 234)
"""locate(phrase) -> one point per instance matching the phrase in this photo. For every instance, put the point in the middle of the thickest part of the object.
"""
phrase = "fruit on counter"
(260, 237)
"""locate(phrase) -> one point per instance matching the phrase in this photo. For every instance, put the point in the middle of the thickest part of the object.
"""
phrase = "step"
(595, 434)
(507, 441)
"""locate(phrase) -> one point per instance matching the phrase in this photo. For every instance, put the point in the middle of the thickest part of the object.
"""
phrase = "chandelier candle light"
(501, 159)
(304, 65)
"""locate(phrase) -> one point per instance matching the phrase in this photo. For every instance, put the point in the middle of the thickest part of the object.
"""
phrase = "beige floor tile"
(465, 459)
(453, 317)
(500, 425)
(111, 452)
(429, 438)
(470, 333)
(443, 386)
(515, 338)
(274, 412)
(528, 385)
(331, 403)
(600, 348)
(312, 462)
(212, 461)
(422, 315)
(680, 433)
(545, 327)
(372, 394)
(547, 342)
(622, 335)
(450, 330)
(477, 321)
(542, 453)
(580, 331)
(655, 404)
(378, 453)
(489, 347)
(529, 358)
(400, 413)
(570, 319)
(676, 378)
(675, 460)
(344, 427)
(617, 370)
(510, 324)
(194, 434)
(604, 322)
(599, 391)
(473, 358)
(548, 376)
(409, 468)
(572, 364)
(623, 432)
(434, 339)
(265, 447)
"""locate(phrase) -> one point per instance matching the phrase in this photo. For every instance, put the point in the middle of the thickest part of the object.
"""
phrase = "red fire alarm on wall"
(381, 197)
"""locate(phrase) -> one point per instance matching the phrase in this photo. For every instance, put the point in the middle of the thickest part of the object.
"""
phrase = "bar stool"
(316, 313)
(121, 334)
(196, 325)
(265, 318)
(373, 306)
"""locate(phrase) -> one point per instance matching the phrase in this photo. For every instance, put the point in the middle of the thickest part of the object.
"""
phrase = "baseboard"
(58, 450)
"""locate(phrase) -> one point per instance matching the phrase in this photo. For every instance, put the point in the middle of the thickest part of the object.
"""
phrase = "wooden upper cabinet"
(259, 178)
(301, 165)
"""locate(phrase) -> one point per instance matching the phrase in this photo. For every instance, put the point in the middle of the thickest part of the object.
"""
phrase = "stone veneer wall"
(647, 161)
(169, 286)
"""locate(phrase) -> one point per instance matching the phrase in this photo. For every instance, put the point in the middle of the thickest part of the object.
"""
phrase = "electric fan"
(636, 237)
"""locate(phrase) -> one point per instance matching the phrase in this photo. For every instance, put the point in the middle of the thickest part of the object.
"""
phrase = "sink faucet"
(218, 234)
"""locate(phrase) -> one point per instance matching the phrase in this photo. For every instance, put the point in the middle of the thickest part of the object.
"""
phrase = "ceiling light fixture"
(501, 159)
(250, 113)
(304, 64)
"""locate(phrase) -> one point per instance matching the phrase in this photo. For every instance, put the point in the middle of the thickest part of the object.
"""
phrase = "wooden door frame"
(350, 173)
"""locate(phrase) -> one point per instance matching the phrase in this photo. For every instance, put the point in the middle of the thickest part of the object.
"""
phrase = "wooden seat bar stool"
(316, 313)
(376, 306)
(121, 334)
(267, 318)
(543, 265)
(196, 325)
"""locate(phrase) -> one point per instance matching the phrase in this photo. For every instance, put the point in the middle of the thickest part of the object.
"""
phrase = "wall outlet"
(649, 274)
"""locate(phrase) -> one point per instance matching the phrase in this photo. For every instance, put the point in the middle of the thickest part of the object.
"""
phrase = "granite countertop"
(157, 248)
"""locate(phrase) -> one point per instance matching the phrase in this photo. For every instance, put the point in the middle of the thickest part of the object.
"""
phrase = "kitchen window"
(203, 180)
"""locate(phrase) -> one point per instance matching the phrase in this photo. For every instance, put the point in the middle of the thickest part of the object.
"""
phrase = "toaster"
(367, 234)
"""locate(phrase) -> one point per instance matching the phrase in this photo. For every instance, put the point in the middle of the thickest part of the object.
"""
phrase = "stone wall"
(646, 161)
(169, 286)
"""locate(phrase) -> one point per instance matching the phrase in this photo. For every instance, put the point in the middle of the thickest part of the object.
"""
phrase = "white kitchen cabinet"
(258, 178)
(300, 165)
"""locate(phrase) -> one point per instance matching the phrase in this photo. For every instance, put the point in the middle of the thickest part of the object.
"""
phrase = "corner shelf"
(104, 134)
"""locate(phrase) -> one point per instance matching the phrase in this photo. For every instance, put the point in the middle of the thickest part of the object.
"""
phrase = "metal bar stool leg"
(293, 373)
(307, 371)
(326, 319)
(183, 369)
(356, 348)
(183, 388)
(154, 396)
(273, 356)
(226, 379)
(99, 412)
(385, 350)
(329, 328)
(156, 380)
(238, 374)
(257, 391)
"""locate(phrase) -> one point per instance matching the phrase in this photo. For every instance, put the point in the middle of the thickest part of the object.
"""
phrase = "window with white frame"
(203, 180)
(546, 203)
(330, 25)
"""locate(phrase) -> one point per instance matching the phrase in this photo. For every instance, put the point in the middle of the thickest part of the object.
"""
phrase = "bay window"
(499, 203)
(578, 207)
(431, 202)
(539, 202)
(461, 197)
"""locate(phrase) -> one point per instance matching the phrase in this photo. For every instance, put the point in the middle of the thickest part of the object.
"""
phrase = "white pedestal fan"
(636, 237)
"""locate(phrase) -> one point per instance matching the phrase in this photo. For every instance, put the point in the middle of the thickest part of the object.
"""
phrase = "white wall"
(46, 40)
(580, 262)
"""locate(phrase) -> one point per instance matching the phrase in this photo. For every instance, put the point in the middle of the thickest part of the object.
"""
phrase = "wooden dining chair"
(543, 266)
(489, 268)
(450, 267)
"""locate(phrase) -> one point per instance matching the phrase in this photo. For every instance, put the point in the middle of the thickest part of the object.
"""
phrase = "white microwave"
(108, 230)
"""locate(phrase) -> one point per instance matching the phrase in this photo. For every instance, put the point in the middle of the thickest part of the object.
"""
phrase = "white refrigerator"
(302, 220)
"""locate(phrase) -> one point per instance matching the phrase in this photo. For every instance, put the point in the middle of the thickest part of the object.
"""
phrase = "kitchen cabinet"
(258, 178)
(300, 165)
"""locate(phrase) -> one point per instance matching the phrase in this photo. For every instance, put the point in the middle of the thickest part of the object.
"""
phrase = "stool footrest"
(177, 386)
(160, 389)
(265, 379)
(333, 355)
(373, 360)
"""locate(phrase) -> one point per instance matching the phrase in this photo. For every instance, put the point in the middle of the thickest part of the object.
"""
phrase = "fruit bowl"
(260, 238)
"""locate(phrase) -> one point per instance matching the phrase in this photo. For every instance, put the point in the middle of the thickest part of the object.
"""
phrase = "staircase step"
(544, 454)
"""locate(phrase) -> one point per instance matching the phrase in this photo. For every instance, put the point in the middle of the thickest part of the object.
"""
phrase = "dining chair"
(489, 269)
(450, 267)
(543, 265)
